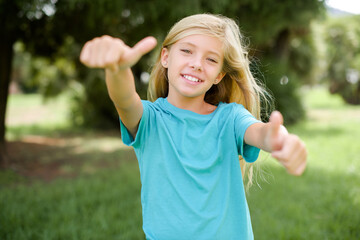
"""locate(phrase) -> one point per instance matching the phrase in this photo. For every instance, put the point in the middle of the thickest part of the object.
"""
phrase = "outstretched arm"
(273, 137)
(117, 58)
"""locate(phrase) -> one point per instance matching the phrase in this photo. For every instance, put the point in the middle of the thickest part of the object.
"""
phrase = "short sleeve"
(126, 137)
(242, 120)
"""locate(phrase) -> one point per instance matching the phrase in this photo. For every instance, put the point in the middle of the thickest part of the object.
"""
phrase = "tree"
(343, 55)
(279, 34)
(12, 18)
(40, 25)
(270, 27)
(45, 26)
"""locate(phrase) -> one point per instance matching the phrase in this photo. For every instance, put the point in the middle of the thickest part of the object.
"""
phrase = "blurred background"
(65, 174)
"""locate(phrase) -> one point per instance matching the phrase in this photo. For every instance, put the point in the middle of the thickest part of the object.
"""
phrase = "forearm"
(121, 88)
(266, 142)
(259, 135)
(256, 136)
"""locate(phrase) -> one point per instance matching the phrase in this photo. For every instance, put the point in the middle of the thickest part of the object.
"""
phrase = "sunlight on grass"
(318, 97)
(33, 109)
(30, 114)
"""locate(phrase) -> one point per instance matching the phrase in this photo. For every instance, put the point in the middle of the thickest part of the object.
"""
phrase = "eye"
(212, 60)
(185, 51)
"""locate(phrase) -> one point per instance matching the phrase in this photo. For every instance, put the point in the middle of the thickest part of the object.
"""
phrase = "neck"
(187, 103)
(195, 104)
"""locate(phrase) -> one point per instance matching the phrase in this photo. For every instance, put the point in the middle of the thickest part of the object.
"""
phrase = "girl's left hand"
(287, 148)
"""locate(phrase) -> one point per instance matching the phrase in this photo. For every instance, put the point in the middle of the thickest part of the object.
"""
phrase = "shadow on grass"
(37, 157)
(318, 205)
(103, 205)
(72, 186)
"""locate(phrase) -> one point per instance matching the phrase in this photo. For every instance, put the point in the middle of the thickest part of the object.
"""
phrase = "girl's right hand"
(113, 53)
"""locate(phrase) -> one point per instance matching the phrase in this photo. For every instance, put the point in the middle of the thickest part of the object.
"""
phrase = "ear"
(164, 57)
(219, 77)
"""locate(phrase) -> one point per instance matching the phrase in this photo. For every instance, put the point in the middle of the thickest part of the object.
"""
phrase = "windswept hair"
(238, 84)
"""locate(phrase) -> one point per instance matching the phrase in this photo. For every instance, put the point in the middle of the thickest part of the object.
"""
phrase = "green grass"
(96, 194)
(30, 114)
(101, 206)
(325, 202)
(26, 109)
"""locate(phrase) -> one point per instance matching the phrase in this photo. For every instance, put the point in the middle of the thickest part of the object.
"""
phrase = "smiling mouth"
(191, 78)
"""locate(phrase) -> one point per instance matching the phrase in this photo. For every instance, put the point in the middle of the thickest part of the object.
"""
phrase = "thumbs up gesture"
(287, 148)
(113, 53)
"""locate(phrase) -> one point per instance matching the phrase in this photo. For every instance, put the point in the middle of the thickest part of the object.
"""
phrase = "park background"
(65, 174)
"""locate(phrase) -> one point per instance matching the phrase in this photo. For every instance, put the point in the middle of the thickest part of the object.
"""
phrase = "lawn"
(74, 184)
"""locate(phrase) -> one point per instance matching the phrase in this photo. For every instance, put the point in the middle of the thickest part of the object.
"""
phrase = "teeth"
(190, 78)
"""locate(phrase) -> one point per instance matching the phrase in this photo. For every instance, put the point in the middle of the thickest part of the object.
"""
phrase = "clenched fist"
(113, 53)
(287, 148)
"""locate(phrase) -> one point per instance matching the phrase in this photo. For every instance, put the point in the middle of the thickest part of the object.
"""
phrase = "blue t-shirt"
(191, 179)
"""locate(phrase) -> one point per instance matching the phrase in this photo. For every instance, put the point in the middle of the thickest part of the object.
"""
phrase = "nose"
(196, 64)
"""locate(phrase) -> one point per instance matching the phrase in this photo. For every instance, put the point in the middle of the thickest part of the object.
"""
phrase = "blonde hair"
(238, 84)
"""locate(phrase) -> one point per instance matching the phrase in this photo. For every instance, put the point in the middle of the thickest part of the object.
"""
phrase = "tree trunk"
(6, 56)
(282, 44)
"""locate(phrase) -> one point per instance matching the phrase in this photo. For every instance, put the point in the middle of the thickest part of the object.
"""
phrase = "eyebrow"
(193, 45)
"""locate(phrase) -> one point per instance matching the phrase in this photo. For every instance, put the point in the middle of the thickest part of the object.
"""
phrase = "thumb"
(141, 48)
(276, 120)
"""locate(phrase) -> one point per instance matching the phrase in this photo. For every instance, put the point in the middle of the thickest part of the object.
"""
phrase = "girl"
(188, 138)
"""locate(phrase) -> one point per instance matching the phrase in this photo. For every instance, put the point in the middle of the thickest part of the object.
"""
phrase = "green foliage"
(92, 106)
(40, 74)
(303, 58)
(58, 29)
(283, 82)
(264, 20)
(343, 41)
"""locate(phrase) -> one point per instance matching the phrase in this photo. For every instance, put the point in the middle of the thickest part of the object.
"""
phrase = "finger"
(85, 53)
(140, 49)
(293, 157)
(276, 120)
(300, 169)
(94, 52)
(278, 155)
(291, 148)
(114, 52)
(145, 46)
(297, 159)
(101, 50)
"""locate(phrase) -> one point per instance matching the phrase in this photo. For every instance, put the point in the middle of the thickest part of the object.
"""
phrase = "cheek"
(172, 71)
(175, 65)
(214, 71)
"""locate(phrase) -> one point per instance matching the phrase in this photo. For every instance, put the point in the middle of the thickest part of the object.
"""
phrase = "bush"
(91, 105)
(283, 83)
(343, 43)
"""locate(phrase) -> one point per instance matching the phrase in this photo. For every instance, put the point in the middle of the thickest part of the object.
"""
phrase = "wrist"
(116, 70)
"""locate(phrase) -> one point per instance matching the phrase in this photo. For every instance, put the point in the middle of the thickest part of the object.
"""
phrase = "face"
(194, 64)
